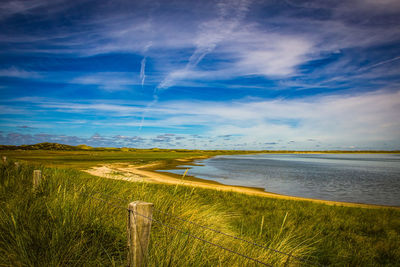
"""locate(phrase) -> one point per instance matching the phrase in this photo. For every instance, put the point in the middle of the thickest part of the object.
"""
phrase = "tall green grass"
(63, 222)
(60, 224)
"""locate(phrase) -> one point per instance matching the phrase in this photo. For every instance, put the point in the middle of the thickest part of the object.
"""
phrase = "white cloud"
(367, 120)
(245, 53)
(209, 34)
(240, 44)
(269, 54)
(116, 110)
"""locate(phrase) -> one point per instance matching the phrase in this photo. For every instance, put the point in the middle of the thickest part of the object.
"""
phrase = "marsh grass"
(63, 223)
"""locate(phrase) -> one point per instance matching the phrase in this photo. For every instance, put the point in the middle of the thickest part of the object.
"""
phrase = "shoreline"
(148, 173)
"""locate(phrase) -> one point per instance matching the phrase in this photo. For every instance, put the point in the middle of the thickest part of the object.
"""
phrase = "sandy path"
(134, 173)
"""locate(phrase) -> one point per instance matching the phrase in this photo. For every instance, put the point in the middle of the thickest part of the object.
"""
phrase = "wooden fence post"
(37, 177)
(4, 158)
(138, 232)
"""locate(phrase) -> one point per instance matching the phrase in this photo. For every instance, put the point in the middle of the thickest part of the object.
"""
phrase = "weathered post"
(139, 226)
(4, 158)
(37, 177)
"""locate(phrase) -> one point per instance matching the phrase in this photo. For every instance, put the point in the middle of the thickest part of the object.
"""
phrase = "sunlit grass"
(86, 159)
(60, 224)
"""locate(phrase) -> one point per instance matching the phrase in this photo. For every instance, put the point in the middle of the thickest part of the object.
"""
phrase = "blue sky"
(232, 74)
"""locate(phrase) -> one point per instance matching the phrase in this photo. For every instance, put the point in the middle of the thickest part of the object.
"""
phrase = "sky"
(229, 74)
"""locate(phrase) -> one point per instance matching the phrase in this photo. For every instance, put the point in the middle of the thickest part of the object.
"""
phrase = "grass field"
(86, 159)
(82, 157)
(61, 225)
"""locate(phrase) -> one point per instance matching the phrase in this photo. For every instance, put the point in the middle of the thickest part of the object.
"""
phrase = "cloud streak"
(361, 120)
(142, 70)
(109, 81)
(255, 70)
(15, 72)
(210, 33)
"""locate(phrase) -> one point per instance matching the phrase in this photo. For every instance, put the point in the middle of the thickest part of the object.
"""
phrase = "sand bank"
(147, 173)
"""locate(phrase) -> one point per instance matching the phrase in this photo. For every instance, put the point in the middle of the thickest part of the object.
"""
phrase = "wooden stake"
(139, 226)
(261, 227)
(37, 177)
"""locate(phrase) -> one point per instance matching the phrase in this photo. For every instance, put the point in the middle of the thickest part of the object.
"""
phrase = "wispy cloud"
(10, 8)
(259, 70)
(369, 119)
(10, 110)
(15, 72)
(109, 81)
(210, 34)
(143, 64)
(142, 70)
(383, 62)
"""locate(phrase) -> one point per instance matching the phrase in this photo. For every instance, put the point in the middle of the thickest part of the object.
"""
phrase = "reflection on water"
(362, 178)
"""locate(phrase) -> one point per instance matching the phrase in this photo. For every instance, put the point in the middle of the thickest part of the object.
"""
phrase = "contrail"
(384, 62)
(143, 63)
(143, 78)
(152, 103)
(142, 70)
(211, 33)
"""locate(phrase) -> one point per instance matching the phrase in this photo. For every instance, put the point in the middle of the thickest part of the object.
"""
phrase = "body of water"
(360, 178)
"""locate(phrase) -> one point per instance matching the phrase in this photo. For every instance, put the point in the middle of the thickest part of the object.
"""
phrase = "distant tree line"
(63, 147)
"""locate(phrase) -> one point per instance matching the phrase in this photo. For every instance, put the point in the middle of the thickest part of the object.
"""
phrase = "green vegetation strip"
(86, 159)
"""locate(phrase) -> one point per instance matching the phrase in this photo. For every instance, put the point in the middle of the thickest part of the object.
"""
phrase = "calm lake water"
(361, 178)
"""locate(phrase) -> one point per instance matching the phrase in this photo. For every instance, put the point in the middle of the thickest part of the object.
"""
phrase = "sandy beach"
(147, 173)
